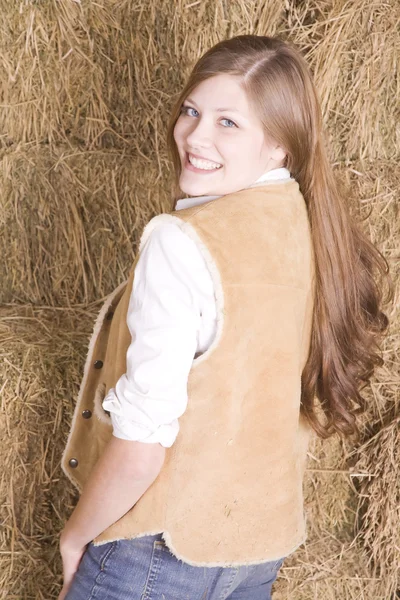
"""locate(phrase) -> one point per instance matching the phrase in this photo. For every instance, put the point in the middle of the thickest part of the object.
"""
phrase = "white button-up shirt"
(171, 317)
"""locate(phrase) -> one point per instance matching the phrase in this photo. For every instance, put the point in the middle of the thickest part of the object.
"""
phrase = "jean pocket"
(101, 553)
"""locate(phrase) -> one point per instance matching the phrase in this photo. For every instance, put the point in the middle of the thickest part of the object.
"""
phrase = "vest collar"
(280, 174)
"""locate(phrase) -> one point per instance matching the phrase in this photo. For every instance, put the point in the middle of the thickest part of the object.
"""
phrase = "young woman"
(252, 297)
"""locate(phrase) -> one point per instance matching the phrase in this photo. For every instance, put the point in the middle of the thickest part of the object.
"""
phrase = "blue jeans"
(145, 569)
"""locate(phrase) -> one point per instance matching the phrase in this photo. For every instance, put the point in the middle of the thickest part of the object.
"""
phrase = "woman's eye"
(185, 109)
(229, 121)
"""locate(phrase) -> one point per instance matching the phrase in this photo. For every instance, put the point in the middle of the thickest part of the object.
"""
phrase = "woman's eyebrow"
(217, 109)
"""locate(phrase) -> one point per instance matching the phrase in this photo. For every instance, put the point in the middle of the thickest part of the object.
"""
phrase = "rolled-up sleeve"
(163, 319)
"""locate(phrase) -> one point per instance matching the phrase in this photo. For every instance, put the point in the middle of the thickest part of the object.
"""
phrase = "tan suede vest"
(230, 489)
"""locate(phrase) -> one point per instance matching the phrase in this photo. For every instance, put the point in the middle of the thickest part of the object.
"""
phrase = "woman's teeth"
(207, 165)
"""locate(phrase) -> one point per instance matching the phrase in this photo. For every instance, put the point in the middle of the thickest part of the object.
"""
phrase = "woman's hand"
(71, 557)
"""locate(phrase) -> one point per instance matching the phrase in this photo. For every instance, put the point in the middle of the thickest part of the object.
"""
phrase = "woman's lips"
(191, 167)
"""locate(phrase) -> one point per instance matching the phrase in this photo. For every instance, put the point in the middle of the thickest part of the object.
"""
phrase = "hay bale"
(43, 352)
(72, 221)
(353, 50)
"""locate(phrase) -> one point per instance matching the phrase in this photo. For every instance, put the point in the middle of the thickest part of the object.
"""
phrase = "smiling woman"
(241, 148)
(252, 299)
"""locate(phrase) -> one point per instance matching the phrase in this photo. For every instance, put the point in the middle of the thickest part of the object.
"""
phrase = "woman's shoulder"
(173, 246)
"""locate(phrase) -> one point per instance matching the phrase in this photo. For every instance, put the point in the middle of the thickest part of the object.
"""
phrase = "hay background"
(85, 93)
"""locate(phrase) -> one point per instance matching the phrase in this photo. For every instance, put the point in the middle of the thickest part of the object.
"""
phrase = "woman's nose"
(200, 134)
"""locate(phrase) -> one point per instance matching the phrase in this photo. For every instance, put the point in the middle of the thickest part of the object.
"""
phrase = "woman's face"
(218, 126)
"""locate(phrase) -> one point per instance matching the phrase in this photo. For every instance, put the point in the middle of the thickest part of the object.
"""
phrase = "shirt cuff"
(126, 429)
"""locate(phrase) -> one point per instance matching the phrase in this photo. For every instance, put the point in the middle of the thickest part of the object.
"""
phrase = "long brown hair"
(348, 321)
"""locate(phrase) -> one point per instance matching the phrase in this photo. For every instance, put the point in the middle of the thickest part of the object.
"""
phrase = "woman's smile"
(200, 165)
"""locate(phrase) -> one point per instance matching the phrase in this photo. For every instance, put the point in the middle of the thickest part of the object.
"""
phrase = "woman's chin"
(192, 189)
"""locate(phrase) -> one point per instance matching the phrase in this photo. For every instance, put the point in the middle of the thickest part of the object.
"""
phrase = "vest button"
(73, 463)
(86, 414)
(98, 364)
(110, 315)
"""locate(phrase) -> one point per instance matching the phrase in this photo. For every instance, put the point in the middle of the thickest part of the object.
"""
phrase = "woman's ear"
(279, 154)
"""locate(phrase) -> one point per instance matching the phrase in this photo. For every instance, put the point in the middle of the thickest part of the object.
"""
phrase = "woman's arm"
(147, 401)
(124, 471)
